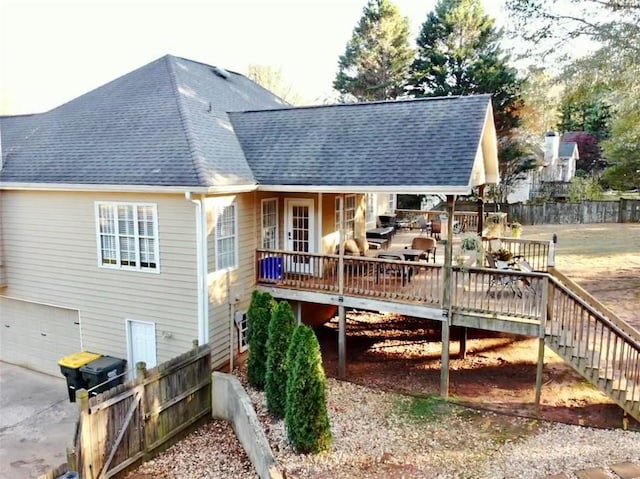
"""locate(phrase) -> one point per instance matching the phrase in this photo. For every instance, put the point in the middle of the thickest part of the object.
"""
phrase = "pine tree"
(306, 417)
(258, 316)
(459, 54)
(281, 329)
(377, 58)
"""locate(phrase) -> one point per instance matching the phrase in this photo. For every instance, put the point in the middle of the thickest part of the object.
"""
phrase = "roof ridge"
(369, 103)
(184, 119)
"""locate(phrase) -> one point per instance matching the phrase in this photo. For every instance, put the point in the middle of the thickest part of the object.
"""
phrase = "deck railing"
(392, 280)
(468, 220)
(505, 293)
(539, 254)
(595, 346)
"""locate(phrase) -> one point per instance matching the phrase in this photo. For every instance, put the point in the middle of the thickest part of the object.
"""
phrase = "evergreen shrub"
(281, 329)
(258, 317)
(306, 417)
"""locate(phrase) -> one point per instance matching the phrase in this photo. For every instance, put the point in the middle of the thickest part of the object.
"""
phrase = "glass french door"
(300, 235)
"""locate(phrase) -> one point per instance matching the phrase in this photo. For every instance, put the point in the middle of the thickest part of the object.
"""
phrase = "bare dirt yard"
(402, 354)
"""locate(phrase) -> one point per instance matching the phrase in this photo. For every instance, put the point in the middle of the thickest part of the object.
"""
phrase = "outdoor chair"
(436, 228)
(428, 245)
(501, 282)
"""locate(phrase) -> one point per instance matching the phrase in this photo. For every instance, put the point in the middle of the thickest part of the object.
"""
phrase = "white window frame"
(349, 216)
(370, 214)
(114, 205)
(391, 203)
(242, 324)
(275, 226)
(220, 210)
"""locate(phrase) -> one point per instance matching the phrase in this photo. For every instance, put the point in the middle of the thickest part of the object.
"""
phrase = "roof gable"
(568, 149)
(430, 142)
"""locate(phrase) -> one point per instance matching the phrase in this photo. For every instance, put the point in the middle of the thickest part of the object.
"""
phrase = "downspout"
(201, 267)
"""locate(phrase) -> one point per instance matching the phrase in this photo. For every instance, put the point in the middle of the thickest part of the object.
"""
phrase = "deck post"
(446, 298)
(480, 209)
(342, 343)
(539, 371)
(463, 343)
(547, 298)
(444, 366)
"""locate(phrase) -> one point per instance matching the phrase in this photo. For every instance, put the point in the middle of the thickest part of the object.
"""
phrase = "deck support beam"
(444, 366)
(446, 298)
(342, 343)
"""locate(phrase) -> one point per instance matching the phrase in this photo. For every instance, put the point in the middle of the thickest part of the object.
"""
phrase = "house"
(130, 216)
(557, 167)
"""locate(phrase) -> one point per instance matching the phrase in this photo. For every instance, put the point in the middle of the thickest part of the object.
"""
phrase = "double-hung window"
(127, 236)
(270, 223)
(226, 236)
(349, 216)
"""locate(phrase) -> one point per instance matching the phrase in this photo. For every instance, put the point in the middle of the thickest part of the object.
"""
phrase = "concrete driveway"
(37, 422)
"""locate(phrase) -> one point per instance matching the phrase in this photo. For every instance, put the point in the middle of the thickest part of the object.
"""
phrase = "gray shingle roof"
(164, 124)
(175, 122)
(566, 149)
(422, 142)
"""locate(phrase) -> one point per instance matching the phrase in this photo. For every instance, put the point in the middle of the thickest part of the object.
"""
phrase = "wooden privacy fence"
(129, 423)
(626, 210)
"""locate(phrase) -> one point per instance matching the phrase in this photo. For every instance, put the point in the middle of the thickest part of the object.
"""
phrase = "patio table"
(411, 254)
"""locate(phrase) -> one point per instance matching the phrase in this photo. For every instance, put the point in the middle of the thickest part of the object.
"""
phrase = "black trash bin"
(103, 374)
(70, 368)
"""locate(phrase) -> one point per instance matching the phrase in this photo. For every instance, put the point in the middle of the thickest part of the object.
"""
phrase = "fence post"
(86, 434)
(72, 462)
(141, 369)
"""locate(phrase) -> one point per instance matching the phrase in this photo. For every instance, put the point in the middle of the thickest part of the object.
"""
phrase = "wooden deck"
(410, 287)
(589, 337)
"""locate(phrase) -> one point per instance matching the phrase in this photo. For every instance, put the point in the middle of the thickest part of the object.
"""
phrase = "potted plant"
(471, 242)
(516, 229)
(470, 246)
(503, 256)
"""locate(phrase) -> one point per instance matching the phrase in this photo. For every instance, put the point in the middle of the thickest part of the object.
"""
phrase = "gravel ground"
(386, 435)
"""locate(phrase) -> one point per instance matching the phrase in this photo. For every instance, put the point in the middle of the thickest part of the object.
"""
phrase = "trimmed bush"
(258, 317)
(306, 415)
(281, 329)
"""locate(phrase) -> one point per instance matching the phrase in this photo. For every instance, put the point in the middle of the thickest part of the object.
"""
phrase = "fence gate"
(129, 423)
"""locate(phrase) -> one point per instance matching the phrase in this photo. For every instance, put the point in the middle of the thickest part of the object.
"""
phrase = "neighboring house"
(557, 167)
(130, 216)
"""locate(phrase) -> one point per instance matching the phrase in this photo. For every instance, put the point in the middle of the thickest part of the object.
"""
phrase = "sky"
(52, 51)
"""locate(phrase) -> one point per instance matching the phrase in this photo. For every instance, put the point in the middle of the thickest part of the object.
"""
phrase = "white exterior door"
(300, 234)
(141, 344)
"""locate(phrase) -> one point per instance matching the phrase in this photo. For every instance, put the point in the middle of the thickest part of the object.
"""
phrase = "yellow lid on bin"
(77, 360)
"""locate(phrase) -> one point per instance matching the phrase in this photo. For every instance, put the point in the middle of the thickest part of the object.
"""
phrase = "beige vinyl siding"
(51, 256)
(227, 297)
(3, 276)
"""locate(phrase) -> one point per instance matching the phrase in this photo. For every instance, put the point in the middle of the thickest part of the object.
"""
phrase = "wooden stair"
(602, 350)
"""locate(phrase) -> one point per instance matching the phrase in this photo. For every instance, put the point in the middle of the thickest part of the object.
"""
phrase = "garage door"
(37, 336)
